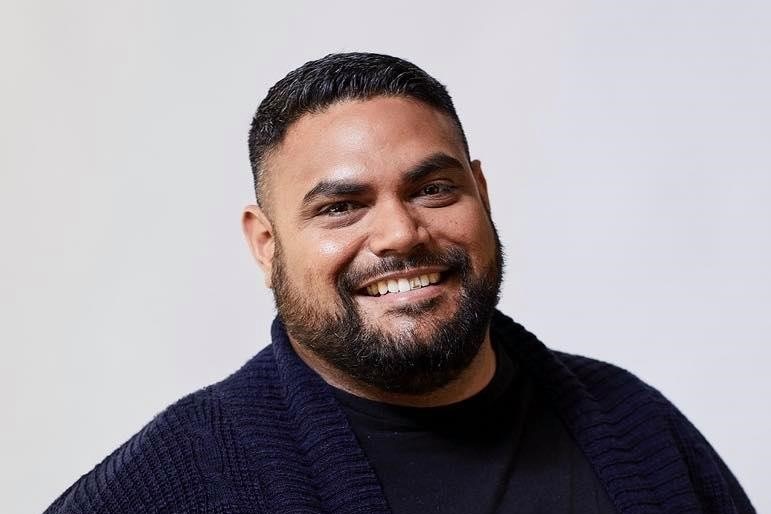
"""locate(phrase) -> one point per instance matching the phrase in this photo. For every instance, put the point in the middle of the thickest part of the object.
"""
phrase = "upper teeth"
(400, 285)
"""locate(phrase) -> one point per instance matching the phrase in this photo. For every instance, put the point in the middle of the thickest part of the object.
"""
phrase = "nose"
(396, 229)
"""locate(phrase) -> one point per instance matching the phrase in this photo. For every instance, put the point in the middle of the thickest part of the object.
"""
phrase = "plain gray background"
(626, 145)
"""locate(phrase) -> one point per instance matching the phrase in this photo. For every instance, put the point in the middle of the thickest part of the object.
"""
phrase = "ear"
(479, 177)
(258, 231)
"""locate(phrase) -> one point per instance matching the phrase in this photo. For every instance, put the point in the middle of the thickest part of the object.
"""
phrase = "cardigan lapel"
(622, 432)
(296, 452)
(328, 459)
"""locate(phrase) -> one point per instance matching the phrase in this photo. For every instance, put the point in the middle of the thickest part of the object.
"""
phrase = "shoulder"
(175, 463)
(572, 377)
(154, 471)
(605, 381)
(619, 391)
(636, 438)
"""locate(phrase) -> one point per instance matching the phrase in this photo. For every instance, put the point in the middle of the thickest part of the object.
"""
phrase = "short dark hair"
(318, 84)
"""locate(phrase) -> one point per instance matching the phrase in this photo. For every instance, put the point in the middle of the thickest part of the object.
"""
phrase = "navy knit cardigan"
(271, 438)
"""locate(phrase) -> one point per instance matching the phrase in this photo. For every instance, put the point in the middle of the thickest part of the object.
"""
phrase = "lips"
(417, 275)
(402, 284)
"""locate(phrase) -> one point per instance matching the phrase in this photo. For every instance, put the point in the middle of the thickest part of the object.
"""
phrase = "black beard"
(403, 363)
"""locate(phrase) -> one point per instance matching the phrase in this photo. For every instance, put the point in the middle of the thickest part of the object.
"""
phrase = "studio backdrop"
(625, 144)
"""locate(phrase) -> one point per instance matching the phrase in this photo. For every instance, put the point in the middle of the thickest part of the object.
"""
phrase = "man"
(392, 384)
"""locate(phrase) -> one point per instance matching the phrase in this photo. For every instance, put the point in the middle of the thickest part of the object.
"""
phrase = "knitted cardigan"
(271, 438)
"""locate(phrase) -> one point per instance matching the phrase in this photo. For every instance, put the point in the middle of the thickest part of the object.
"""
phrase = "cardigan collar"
(339, 470)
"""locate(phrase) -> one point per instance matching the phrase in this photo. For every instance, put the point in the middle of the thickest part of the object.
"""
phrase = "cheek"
(329, 249)
(323, 258)
(473, 232)
(469, 225)
(308, 252)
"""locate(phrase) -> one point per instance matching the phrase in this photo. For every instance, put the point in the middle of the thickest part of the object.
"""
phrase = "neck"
(472, 380)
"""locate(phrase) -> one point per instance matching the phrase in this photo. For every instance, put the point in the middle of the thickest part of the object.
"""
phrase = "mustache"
(454, 259)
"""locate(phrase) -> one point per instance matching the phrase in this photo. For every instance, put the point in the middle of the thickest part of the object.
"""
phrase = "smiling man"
(392, 384)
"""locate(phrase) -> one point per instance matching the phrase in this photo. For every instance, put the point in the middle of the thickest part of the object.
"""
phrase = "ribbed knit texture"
(271, 438)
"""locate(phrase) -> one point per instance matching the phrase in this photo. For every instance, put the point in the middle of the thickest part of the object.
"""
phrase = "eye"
(436, 189)
(338, 209)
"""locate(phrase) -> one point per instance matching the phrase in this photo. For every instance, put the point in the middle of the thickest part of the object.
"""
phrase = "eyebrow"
(333, 188)
(435, 162)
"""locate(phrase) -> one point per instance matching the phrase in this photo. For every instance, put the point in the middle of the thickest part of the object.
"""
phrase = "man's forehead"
(355, 137)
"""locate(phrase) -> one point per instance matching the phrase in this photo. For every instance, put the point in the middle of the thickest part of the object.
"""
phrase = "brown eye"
(436, 189)
(338, 209)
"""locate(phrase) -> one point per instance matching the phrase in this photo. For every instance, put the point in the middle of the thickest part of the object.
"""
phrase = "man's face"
(386, 263)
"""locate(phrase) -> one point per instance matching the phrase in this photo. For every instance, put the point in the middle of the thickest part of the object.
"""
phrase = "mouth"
(402, 283)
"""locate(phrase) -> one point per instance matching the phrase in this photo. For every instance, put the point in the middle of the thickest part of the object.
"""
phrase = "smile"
(402, 284)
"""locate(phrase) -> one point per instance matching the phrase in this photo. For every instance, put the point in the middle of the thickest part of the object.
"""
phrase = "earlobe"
(258, 231)
(479, 177)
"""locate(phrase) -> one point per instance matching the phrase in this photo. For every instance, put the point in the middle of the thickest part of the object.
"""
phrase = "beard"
(402, 362)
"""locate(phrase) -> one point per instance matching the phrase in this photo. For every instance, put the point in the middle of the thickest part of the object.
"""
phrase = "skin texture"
(394, 180)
